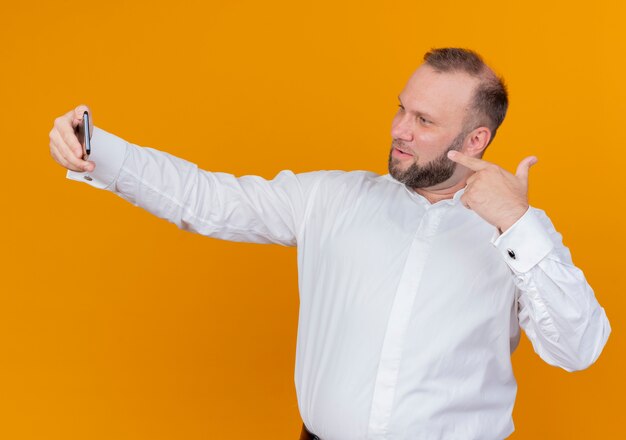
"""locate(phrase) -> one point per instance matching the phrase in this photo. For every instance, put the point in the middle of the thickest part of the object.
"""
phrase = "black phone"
(84, 136)
(87, 135)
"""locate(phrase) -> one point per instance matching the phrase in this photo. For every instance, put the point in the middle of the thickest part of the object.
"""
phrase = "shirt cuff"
(525, 243)
(107, 152)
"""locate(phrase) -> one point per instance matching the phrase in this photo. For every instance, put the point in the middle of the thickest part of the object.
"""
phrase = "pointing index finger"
(472, 163)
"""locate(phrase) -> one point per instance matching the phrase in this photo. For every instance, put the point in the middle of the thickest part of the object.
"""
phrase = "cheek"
(429, 146)
(428, 142)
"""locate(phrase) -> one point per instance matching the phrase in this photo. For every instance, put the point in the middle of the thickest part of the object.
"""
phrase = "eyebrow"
(419, 113)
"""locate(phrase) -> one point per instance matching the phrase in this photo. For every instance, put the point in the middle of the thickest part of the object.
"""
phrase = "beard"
(433, 173)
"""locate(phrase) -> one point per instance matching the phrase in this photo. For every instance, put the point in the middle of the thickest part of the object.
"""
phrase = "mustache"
(396, 143)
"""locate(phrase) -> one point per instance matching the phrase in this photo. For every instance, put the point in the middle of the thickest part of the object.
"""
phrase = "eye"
(423, 120)
(400, 108)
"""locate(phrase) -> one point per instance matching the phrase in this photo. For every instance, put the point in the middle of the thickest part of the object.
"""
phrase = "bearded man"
(413, 285)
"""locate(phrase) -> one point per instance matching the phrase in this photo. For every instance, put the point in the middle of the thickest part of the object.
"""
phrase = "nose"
(402, 128)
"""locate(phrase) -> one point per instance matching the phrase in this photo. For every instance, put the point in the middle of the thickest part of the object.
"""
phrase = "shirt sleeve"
(556, 306)
(219, 205)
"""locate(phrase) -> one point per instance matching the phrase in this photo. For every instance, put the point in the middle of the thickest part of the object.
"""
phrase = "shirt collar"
(455, 200)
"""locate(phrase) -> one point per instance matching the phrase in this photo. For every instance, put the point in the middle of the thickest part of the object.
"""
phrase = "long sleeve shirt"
(409, 311)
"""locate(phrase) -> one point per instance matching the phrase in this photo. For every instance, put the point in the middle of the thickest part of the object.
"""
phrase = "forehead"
(445, 95)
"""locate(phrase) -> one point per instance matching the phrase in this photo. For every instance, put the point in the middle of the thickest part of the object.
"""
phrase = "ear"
(476, 141)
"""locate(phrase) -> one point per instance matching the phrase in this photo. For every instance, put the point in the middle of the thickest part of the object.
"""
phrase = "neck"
(443, 191)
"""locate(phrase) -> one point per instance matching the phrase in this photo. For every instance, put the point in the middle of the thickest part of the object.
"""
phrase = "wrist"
(508, 221)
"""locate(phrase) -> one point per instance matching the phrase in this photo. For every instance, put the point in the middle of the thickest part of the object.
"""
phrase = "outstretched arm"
(219, 205)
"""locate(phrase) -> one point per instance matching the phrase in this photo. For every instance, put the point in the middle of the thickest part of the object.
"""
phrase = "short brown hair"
(490, 100)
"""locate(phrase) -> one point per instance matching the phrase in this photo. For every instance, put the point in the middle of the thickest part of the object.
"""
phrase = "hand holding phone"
(70, 140)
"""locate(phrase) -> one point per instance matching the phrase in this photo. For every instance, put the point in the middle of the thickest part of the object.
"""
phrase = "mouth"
(400, 152)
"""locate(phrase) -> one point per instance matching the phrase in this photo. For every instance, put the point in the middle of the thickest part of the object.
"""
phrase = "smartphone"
(84, 137)
(87, 136)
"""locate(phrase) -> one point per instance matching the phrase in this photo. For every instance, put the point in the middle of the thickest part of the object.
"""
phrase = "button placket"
(391, 353)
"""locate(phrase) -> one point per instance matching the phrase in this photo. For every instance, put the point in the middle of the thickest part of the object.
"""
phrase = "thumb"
(77, 117)
(524, 166)
(78, 111)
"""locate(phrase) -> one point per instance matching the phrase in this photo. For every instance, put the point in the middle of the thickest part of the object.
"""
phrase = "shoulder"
(348, 186)
(339, 178)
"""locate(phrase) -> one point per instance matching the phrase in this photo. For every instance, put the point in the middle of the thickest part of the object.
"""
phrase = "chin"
(400, 165)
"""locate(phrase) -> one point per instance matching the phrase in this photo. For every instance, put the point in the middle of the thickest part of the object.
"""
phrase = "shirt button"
(511, 253)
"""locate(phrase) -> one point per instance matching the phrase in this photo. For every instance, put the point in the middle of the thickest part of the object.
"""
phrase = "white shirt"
(409, 311)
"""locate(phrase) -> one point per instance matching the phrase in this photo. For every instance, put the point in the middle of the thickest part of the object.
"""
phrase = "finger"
(78, 114)
(76, 162)
(62, 145)
(65, 130)
(70, 140)
(58, 158)
(524, 166)
(472, 163)
(70, 161)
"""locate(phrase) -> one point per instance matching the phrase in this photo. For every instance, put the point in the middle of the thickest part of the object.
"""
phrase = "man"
(413, 285)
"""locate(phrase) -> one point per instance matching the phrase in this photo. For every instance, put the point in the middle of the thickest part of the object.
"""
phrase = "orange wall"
(116, 325)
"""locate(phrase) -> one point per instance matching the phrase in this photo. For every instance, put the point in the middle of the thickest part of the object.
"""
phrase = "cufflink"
(511, 253)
